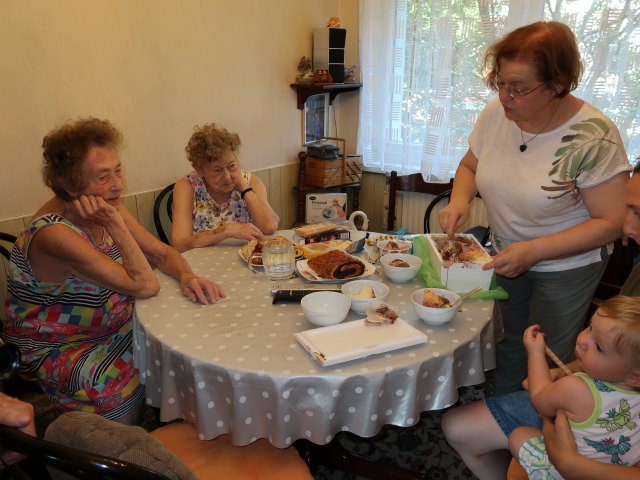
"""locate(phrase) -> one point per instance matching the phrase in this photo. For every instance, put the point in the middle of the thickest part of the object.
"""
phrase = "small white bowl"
(384, 246)
(400, 274)
(359, 305)
(325, 308)
(435, 316)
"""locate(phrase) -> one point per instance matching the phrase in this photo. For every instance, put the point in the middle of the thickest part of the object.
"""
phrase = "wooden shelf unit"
(304, 90)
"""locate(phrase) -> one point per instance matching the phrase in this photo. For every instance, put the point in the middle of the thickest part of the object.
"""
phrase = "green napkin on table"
(432, 278)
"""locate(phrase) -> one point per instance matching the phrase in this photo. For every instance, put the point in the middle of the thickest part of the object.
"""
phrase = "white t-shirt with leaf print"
(536, 193)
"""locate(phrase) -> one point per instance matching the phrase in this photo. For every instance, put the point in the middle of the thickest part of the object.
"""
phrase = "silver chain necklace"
(523, 147)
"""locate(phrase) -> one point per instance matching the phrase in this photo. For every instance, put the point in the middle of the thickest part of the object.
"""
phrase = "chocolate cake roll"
(336, 265)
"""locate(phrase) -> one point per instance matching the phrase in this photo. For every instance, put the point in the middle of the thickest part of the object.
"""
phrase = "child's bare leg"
(519, 436)
(476, 436)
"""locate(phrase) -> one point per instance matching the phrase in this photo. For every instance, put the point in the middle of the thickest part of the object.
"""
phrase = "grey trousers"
(557, 301)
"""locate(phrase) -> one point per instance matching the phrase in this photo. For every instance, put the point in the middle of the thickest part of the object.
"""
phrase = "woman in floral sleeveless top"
(218, 200)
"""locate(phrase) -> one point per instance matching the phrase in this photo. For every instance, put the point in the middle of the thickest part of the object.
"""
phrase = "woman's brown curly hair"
(551, 48)
(208, 143)
(65, 148)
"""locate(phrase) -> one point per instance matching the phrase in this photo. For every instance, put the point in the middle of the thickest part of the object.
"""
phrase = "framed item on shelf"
(315, 116)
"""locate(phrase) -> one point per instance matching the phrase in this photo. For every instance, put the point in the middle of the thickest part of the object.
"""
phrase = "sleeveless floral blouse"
(208, 214)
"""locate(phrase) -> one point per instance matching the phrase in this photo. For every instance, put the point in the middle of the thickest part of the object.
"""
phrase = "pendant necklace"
(523, 147)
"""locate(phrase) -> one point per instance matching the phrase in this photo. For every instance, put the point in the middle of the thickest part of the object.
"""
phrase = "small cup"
(278, 259)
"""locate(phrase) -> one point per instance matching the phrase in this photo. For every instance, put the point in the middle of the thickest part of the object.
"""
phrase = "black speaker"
(328, 51)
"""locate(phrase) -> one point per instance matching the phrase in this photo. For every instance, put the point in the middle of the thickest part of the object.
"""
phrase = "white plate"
(260, 264)
(353, 340)
(247, 260)
(311, 276)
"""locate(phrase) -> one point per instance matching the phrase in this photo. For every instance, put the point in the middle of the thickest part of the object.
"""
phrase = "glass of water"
(278, 259)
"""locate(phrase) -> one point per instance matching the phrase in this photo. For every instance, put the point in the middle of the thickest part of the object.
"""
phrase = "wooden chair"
(166, 197)
(621, 277)
(516, 472)
(410, 183)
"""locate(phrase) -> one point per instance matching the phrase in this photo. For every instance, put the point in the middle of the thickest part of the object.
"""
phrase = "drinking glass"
(278, 259)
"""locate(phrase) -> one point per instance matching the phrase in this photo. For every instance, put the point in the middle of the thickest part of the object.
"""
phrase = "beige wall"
(156, 68)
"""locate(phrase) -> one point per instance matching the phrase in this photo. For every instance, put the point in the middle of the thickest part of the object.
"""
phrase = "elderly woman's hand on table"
(241, 231)
(199, 289)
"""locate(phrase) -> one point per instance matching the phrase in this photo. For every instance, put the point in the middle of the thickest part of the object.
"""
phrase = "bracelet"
(245, 191)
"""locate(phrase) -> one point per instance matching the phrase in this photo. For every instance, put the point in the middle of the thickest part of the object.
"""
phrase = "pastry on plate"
(336, 265)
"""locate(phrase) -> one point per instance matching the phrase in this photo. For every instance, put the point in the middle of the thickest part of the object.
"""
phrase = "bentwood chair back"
(481, 233)
(6, 244)
(410, 183)
(14, 386)
(165, 197)
(5, 249)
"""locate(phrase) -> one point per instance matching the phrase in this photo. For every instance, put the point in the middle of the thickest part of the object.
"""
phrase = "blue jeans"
(513, 410)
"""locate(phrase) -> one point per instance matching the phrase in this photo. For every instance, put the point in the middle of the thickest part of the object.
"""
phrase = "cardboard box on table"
(460, 277)
(322, 207)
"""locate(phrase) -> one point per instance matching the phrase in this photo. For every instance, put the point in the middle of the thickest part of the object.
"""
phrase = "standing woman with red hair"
(552, 170)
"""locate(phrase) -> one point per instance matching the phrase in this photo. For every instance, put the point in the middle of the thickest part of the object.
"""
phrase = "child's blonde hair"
(626, 311)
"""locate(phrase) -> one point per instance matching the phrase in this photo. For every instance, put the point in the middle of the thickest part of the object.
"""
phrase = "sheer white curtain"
(420, 65)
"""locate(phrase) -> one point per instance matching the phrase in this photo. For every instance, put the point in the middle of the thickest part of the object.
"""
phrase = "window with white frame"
(422, 86)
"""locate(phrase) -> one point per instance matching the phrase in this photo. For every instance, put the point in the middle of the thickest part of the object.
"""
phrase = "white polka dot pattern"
(234, 367)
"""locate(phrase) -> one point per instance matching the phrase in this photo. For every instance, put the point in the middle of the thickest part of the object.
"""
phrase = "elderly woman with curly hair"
(74, 274)
(218, 200)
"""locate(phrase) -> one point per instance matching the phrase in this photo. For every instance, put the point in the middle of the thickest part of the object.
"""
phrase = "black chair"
(410, 183)
(6, 237)
(77, 463)
(166, 197)
(41, 453)
(15, 386)
(481, 233)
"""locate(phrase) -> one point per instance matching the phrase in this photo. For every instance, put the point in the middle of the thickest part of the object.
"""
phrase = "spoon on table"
(465, 296)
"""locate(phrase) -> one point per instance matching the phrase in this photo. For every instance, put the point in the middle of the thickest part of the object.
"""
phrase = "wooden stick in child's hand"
(557, 361)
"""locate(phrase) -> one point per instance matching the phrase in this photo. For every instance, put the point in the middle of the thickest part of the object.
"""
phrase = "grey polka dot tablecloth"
(235, 367)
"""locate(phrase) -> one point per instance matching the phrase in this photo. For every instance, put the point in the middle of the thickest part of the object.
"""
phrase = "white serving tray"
(353, 340)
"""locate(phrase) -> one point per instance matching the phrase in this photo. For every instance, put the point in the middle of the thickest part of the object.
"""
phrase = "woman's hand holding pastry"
(200, 290)
(515, 259)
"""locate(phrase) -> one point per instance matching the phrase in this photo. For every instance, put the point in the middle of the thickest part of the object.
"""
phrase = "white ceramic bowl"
(384, 246)
(359, 305)
(400, 274)
(325, 308)
(435, 316)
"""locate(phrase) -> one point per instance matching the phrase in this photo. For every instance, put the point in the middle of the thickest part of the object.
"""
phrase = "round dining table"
(235, 367)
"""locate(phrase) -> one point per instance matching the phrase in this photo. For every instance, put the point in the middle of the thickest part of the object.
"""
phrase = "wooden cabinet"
(304, 90)
(302, 189)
